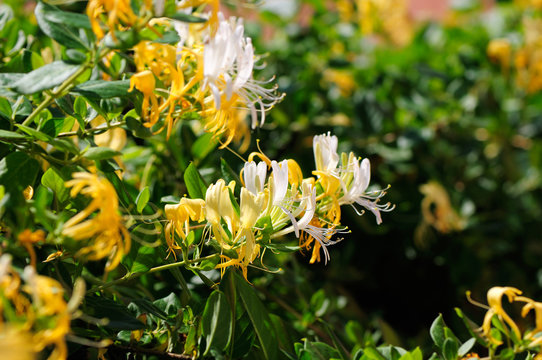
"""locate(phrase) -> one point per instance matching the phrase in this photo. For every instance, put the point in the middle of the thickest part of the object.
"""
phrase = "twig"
(160, 354)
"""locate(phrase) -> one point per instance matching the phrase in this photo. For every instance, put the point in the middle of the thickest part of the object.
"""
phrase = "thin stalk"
(50, 97)
(132, 276)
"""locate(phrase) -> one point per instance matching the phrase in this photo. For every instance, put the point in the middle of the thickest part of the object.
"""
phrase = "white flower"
(325, 152)
(254, 176)
(280, 181)
(228, 64)
(354, 182)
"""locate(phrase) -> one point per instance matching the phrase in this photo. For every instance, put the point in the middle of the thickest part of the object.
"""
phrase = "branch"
(139, 350)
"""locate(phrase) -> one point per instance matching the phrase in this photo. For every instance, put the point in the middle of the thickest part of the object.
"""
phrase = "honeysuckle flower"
(354, 182)
(156, 57)
(325, 152)
(250, 209)
(39, 312)
(144, 81)
(28, 238)
(254, 176)
(218, 206)
(346, 184)
(536, 307)
(115, 13)
(14, 343)
(228, 64)
(280, 181)
(500, 51)
(104, 234)
(494, 300)
(48, 300)
(179, 217)
(437, 209)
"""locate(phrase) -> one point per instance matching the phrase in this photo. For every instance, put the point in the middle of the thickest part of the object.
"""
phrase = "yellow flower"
(389, 18)
(499, 51)
(28, 238)
(494, 300)
(179, 217)
(437, 209)
(116, 13)
(144, 81)
(110, 237)
(48, 301)
(156, 57)
(14, 344)
(41, 314)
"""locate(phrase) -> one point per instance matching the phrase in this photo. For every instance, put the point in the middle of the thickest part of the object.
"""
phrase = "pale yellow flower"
(104, 232)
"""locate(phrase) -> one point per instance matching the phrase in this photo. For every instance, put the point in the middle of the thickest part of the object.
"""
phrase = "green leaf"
(142, 199)
(10, 135)
(465, 348)
(449, 349)
(170, 199)
(227, 172)
(471, 327)
(143, 261)
(101, 89)
(216, 322)
(53, 180)
(209, 264)
(18, 169)
(204, 145)
(61, 26)
(55, 126)
(6, 79)
(146, 306)
(317, 350)
(194, 183)
(45, 77)
(258, 315)
(437, 331)
(34, 133)
(100, 153)
(184, 17)
(118, 315)
(169, 304)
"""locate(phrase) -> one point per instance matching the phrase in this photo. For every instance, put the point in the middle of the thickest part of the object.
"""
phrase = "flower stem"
(132, 276)
(50, 97)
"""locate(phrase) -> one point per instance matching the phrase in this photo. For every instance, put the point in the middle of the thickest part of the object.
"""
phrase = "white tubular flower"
(254, 176)
(325, 152)
(228, 64)
(307, 205)
(354, 182)
(280, 181)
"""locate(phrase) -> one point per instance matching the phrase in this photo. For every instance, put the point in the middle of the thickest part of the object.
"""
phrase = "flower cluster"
(104, 233)
(208, 73)
(33, 315)
(275, 200)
